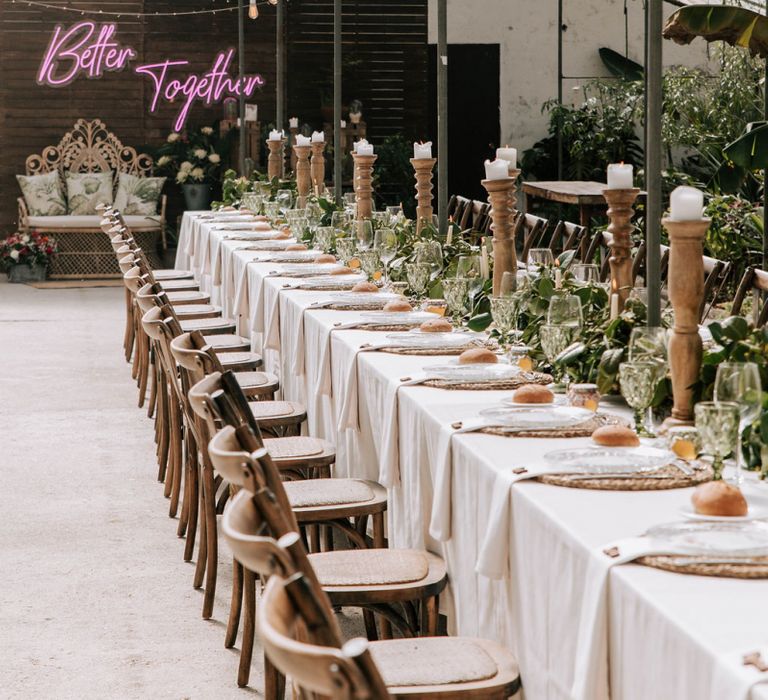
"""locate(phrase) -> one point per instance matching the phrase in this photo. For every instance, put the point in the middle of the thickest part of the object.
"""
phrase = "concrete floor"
(95, 599)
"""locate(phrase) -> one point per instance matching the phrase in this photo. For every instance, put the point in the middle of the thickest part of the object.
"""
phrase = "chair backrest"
(472, 215)
(755, 281)
(566, 236)
(716, 274)
(529, 231)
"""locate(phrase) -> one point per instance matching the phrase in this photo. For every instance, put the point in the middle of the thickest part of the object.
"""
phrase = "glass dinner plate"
(362, 298)
(278, 244)
(753, 513)
(472, 373)
(608, 460)
(334, 281)
(539, 418)
(410, 339)
(293, 256)
(397, 318)
(735, 539)
(316, 270)
(239, 224)
(256, 235)
(559, 400)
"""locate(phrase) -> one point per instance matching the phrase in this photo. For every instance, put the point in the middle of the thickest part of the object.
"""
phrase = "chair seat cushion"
(87, 221)
(228, 359)
(296, 446)
(206, 324)
(190, 297)
(250, 380)
(191, 309)
(369, 567)
(263, 410)
(327, 492)
(228, 340)
(432, 661)
(170, 274)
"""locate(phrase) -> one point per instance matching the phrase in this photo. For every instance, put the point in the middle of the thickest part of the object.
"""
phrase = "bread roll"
(283, 235)
(533, 393)
(616, 436)
(365, 287)
(262, 226)
(478, 356)
(719, 498)
(325, 258)
(342, 271)
(398, 305)
(260, 217)
(436, 325)
(296, 246)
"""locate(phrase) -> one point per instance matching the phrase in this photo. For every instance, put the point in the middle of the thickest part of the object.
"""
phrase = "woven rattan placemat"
(669, 477)
(501, 384)
(756, 568)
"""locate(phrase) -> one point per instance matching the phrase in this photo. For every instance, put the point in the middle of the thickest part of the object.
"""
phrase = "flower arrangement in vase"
(25, 256)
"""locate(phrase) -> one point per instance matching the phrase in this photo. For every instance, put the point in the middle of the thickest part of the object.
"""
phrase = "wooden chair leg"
(202, 549)
(153, 390)
(194, 508)
(163, 444)
(178, 468)
(144, 374)
(380, 543)
(249, 630)
(274, 682)
(209, 515)
(429, 616)
(370, 625)
(185, 506)
(236, 604)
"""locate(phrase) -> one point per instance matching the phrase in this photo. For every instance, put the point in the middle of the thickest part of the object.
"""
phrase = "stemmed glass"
(364, 234)
(718, 427)
(739, 383)
(649, 344)
(418, 275)
(540, 257)
(564, 322)
(468, 266)
(456, 291)
(271, 210)
(350, 199)
(340, 220)
(284, 199)
(586, 273)
(324, 237)
(395, 213)
(369, 261)
(314, 213)
(345, 247)
(429, 252)
(638, 379)
(385, 244)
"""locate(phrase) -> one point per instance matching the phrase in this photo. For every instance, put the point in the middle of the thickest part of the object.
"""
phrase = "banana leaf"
(735, 25)
(750, 150)
(621, 66)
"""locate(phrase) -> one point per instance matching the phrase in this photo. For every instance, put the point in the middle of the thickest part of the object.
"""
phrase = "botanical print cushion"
(43, 194)
(86, 190)
(138, 195)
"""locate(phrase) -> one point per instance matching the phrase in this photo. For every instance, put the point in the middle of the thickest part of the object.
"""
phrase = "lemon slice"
(590, 404)
(684, 449)
(525, 364)
(377, 275)
(354, 263)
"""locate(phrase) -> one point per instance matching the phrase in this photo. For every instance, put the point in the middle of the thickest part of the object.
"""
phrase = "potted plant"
(25, 256)
(194, 161)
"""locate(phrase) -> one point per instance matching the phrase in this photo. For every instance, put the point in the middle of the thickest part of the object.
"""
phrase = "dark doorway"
(473, 113)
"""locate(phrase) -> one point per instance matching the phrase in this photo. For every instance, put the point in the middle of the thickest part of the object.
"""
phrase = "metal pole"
(337, 154)
(765, 174)
(560, 88)
(442, 115)
(653, 150)
(241, 70)
(280, 116)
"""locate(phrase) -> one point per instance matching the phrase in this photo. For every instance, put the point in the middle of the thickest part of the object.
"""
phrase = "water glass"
(429, 252)
(284, 199)
(418, 275)
(272, 210)
(639, 294)
(556, 337)
(540, 257)
(314, 213)
(456, 291)
(369, 261)
(385, 244)
(718, 426)
(586, 273)
(324, 238)
(340, 220)
(364, 231)
(638, 380)
(350, 199)
(252, 201)
(380, 218)
(505, 311)
(565, 309)
(345, 247)
(739, 383)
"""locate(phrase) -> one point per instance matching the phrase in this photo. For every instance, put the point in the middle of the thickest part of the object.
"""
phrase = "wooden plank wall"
(386, 68)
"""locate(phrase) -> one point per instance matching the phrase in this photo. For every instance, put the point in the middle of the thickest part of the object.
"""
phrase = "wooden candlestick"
(513, 172)
(363, 185)
(620, 212)
(685, 282)
(294, 131)
(303, 174)
(276, 160)
(318, 167)
(500, 192)
(423, 170)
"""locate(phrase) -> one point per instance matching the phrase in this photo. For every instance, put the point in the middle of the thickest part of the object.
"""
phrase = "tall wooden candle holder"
(276, 160)
(294, 132)
(620, 212)
(514, 172)
(686, 292)
(318, 167)
(500, 192)
(423, 169)
(364, 185)
(303, 174)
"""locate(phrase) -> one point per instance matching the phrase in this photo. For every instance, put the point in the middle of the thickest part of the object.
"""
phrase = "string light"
(253, 10)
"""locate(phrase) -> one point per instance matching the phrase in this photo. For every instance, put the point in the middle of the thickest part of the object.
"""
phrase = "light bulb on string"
(253, 10)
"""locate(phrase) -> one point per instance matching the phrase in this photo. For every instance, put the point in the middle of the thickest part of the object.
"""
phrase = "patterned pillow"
(138, 195)
(86, 190)
(43, 194)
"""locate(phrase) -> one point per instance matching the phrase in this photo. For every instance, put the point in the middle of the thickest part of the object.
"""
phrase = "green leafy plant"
(393, 176)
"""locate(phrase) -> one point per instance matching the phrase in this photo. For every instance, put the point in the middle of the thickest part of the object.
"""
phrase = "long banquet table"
(525, 560)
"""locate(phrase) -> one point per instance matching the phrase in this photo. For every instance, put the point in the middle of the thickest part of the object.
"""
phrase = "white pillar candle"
(364, 149)
(302, 140)
(449, 237)
(293, 122)
(620, 177)
(422, 150)
(357, 144)
(343, 124)
(558, 278)
(508, 154)
(614, 306)
(485, 265)
(686, 204)
(318, 137)
(496, 170)
(275, 135)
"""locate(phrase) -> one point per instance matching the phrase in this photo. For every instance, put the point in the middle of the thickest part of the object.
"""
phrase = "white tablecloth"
(658, 635)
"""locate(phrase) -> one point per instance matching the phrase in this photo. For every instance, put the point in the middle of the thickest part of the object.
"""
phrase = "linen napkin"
(733, 678)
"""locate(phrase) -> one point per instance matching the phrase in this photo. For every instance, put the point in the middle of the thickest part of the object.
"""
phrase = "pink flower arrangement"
(27, 249)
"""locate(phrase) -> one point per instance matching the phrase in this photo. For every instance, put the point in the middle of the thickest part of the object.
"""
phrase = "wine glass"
(364, 234)
(565, 309)
(739, 383)
(504, 310)
(395, 213)
(418, 275)
(649, 344)
(556, 337)
(340, 220)
(350, 199)
(284, 199)
(638, 380)
(314, 213)
(429, 252)
(369, 261)
(540, 257)
(324, 238)
(385, 244)
(718, 427)
(468, 266)
(456, 291)
(586, 273)
(639, 294)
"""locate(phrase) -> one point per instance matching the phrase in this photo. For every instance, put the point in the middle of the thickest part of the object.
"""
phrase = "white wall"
(526, 31)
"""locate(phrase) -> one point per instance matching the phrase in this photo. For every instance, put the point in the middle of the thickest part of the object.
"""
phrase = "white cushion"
(89, 221)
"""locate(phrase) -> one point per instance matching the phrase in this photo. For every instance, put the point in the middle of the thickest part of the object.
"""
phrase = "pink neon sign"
(91, 50)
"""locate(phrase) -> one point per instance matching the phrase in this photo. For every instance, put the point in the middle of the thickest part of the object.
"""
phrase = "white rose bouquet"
(192, 157)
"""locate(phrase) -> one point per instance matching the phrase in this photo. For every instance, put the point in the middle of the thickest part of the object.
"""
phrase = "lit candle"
(302, 140)
(343, 124)
(614, 306)
(496, 170)
(508, 154)
(276, 135)
(620, 177)
(558, 278)
(364, 149)
(357, 144)
(293, 122)
(485, 267)
(422, 150)
(686, 204)
(449, 237)
(318, 137)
